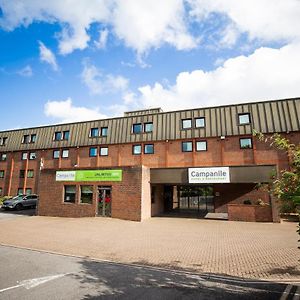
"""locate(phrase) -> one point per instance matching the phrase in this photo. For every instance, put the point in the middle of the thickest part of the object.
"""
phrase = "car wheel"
(19, 206)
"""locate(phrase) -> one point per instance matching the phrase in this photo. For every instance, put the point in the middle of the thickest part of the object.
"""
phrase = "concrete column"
(275, 204)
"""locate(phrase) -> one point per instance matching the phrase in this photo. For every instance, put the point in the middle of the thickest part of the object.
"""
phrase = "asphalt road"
(10, 214)
(26, 274)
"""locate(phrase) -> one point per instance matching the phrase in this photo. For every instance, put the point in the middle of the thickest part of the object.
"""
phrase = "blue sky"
(75, 60)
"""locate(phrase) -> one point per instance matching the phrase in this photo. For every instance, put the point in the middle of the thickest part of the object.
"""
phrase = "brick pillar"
(275, 209)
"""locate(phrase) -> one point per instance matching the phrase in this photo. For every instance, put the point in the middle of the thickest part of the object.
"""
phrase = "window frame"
(201, 141)
(65, 151)
(80, 194)
(64, 194)
(22, 173)
(30, 171)
(137, 124)
(26, 139)
(184, 120)
(137, 145)
(3, 156)
(186, 142)
(104, 128)
(32, 138)
(3, 140)
(23, 156)
(100, 151)
(145, 146)
(56, 151)
(251, 143)
(200, 118)
(55, 136)
(145, 126)
(96, 148)
(94, 129)
(30, 156)
(65, 135)
(241, 115)
(2, 174)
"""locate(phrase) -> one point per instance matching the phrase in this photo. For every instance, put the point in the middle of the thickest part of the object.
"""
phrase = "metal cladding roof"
(266, 117)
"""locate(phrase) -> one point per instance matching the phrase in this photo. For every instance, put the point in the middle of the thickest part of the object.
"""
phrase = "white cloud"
(26, 71)
(47, 56)
(266, 74)
(64, 111)
(99, 83)
(101, 43)
(263, 19)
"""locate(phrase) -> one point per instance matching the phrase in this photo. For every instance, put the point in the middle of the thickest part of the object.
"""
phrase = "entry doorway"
(104, 201)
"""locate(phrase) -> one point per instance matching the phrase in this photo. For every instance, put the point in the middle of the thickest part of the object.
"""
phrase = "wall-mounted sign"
(209, 175)
(89, 175)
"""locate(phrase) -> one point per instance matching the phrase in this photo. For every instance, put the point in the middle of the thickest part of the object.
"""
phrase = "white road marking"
(31, 283)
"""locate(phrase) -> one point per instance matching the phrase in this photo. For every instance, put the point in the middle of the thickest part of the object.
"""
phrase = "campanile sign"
(209, 175)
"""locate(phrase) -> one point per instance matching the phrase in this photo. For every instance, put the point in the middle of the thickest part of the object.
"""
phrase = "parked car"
(21, 201)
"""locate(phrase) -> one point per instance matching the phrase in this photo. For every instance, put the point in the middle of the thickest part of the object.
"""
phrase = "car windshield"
(17, 197)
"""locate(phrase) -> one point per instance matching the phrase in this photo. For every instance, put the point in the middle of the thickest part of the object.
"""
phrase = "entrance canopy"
(236, 174)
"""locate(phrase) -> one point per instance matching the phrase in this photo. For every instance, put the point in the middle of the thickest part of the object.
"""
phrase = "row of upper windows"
(30, 173)
(243, 119)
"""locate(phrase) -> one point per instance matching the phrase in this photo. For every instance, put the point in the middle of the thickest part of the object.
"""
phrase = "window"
(137, 128)
(30, 173)
(65, 153)
(187, 146)
(0, 191)
(201, 146)
(1, 173)
(148, 127)
(3, 156)
(32, 155)
(25, 139)
(86, 194)
(104, 131)
(246, 143)
(244, 119)
(103, 151)
(24, 155)
(70, 193)
(187, 123)
(33, 138)
(94, 132)
(56, 153)
(20, 191)
(136, 149)
(3, 141)
(57, 136)
(149, 149)
(66, 135)
(93, 151)
(22, 173)
(200, 122)
(28, 191)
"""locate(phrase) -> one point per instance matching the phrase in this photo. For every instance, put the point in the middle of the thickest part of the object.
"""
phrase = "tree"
(285, 186)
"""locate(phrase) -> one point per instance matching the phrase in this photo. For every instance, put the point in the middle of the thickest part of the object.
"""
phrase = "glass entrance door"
(104, 201)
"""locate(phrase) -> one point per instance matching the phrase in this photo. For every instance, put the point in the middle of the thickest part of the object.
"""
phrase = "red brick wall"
(249, 213)
(126, 196)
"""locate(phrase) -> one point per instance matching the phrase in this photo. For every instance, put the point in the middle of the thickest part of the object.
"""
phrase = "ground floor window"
(0, 191)
(70, 193)
(28, 191)
(20, 191)
(86, 194)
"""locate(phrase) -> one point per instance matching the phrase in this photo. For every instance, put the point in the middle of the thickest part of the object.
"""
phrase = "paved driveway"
(247, 250)
(11, 214)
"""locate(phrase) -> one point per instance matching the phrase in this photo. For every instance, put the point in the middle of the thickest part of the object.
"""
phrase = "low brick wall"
(249, 213)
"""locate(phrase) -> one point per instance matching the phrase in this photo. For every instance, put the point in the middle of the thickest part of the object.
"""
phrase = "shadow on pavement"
(23, 212)
(113, 281)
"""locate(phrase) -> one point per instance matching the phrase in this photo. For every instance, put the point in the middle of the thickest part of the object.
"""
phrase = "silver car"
(21, 201)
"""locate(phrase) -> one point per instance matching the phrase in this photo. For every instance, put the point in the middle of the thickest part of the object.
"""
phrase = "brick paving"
(247, 250)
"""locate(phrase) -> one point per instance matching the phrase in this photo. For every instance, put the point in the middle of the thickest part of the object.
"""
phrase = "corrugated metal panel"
(270, 116)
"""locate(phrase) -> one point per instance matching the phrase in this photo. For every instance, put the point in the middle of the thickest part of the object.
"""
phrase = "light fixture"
(222, 137)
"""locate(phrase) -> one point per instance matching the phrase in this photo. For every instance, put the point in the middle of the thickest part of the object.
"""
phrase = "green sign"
(89, 175)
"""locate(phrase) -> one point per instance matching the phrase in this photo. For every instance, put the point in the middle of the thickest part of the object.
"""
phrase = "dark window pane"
(70, 193)
(26, 139)
(94, 132)
(246, 143)
(86, 194)
(22, 173)
(66, 135)
(187, 146)
(33, 138)
(149, 149)
(104, 131)
(57, 136)
(93, 151)
(137, 128)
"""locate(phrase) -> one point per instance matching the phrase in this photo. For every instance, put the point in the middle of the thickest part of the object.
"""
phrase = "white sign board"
(65, 176)
(209, 175)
